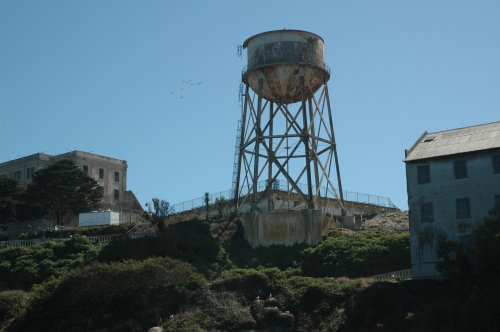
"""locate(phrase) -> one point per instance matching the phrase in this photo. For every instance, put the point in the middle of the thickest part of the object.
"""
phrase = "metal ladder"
(237, 144)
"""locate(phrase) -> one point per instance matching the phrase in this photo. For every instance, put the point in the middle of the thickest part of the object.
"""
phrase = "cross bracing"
(288, 142)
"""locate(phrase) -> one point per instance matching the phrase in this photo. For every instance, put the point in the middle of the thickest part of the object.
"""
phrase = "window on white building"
(460, 169)
(496, 164)
(116, 194)
(86, 169)
(16, 175)
(30, 172)
(423, 174)
(101, 173)
(117, 176)
(463, 208)
(426, 213)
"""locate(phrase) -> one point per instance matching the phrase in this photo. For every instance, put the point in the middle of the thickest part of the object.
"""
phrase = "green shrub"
(88, 231)
(101, 295)
(250, 282)
(306, 293)
(213, 311)
(21, 268)
(190, 241)
(316, 303)
(424, 305)
(27, 236)
(11, 304)
(358, 254)
(477, 260)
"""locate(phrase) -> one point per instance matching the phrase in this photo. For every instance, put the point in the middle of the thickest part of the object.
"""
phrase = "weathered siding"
(480, 186)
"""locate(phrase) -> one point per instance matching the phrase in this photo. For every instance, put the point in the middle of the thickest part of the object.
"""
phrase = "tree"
(206, 200)
(221, 203)
(477, 259)
(62, 191)
(10, 200)
(158, 210)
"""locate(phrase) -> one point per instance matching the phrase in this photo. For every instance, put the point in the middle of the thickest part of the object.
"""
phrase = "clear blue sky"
(106, 77)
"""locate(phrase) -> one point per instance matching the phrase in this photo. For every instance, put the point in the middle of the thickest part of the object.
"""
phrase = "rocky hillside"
(391, 221)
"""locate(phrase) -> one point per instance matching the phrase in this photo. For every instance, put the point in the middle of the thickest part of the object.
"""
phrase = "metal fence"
(350, 196)
(393, 276)
(94, 239)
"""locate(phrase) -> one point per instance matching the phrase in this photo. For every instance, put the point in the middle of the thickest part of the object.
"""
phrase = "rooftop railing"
(349, 196)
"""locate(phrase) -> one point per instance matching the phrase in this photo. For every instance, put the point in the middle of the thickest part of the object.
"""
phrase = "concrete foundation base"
(286, 227)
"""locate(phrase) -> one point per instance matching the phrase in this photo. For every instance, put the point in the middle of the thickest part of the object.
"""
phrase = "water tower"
(286, 144)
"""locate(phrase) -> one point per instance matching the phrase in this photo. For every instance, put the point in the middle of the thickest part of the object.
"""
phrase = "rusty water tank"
(279, 59)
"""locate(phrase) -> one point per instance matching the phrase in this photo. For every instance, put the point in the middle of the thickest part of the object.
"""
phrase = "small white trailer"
(98, 218)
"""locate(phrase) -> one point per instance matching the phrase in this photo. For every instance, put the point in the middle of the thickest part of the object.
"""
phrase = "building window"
(496, 164)
(497, 200)
(17, 175)
(463, 208)
(426, 213)
(460, 169)
(30, 172)
(116, 194)
(86, 169)
(117, 176)
(101, 173)
(424, 174)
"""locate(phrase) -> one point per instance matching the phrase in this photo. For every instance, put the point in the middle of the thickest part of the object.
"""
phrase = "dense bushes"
(250, 283)
(68, 232)
(21, 268)
(129, 290)
(479, 259)
(104, 295)
(213, 311)
(358, 254)
(424, 305)
(269, 300)
(11, 304)
(88, 231)
(189, 241)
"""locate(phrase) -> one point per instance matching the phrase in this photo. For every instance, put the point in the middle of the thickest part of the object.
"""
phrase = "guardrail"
(96, 239)
(349, 196)
(393, 276)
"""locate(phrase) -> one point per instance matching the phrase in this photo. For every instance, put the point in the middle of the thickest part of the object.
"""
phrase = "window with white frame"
(426, 213)
(495, 160)
(16, 175)
(423, 174)
(30, 172)
(460, 169)
(463, 208)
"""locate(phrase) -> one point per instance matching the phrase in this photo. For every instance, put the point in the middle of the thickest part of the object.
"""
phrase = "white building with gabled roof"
(453, 182)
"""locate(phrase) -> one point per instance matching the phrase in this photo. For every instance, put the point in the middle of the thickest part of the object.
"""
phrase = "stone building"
(453, 182)
(110, 174)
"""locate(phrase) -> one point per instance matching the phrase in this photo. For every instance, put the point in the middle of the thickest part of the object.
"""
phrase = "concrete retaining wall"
(286, 227)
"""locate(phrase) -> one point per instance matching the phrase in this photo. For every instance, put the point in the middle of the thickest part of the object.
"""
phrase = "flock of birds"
(186, 84)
